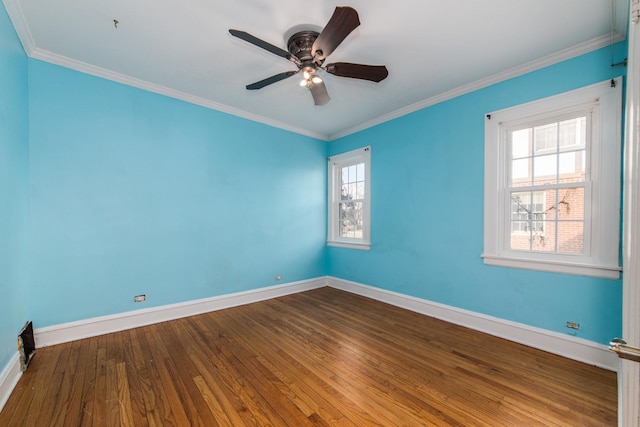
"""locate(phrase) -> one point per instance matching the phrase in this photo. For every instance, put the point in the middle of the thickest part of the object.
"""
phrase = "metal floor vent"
(26, 345)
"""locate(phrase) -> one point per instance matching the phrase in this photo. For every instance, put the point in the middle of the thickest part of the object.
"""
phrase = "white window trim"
(361, 155)
(601, 258)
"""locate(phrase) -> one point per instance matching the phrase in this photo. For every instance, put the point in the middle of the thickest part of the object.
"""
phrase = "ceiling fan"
(309, 49)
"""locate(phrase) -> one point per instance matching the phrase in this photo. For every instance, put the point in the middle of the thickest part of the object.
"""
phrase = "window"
(552, 183)
(349, 199)
(527, 212)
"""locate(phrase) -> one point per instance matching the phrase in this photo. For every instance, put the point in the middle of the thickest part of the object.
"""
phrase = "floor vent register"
(26, 345)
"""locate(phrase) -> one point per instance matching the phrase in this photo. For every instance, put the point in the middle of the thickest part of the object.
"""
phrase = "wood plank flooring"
(318, 358)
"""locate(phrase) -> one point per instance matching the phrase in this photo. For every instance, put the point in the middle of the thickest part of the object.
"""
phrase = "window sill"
(350, 245)
(601, 271)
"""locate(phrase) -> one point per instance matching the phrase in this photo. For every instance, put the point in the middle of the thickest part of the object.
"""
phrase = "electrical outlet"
(140, 298)
(573, 325)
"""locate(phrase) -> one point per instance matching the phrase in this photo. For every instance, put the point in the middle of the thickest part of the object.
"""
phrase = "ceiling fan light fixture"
(309, 77)
(307, 72)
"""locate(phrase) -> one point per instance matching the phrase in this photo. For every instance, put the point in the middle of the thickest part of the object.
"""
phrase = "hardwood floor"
(323, 357)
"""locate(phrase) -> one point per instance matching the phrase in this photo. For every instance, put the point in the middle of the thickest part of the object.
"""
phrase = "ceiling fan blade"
(271, 80)
(264, 45)
(343, 21)
(319, 93)
(374, 73)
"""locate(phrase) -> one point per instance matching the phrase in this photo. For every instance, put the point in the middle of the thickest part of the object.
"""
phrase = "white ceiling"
(434, 50)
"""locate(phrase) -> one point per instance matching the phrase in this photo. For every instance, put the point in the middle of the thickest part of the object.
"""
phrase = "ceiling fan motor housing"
(300, 45)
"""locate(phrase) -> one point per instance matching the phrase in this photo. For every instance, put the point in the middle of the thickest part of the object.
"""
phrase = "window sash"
(585, 254)
(560, 154)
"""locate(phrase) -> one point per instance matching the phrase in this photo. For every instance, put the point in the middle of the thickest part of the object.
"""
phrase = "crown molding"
(545, 61)
(20, 24)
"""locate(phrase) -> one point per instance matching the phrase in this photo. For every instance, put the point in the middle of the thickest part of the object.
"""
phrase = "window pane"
(545, 137)
(520, 143)
(528, 206)
(572, 166)
(345, 229)
(357, 225)
(350, 220)
(520, 172)
(360, 191)
(352, 191)
(571, 203)
(360, 172)
(573, 133)
(528, 212)
(345, 208)
(544, 238)
(551, 199)
(571, 237)
(545, 169)
(520, 240)
(344, 192)
(348, 174)
(346, 219)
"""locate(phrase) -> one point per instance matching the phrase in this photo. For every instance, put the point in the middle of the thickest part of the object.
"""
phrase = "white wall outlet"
(140, 298)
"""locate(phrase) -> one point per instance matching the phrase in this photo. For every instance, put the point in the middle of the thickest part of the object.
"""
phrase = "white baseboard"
(72, 331)
(564, 345)
(9, 378)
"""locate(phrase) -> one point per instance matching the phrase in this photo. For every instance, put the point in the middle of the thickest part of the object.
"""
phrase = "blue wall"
(427, 212)
(13, 188)
(136, 193)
